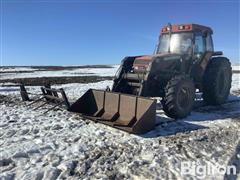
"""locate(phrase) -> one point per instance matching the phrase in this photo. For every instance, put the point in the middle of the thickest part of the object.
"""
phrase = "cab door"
(202, 52)
(199, 47)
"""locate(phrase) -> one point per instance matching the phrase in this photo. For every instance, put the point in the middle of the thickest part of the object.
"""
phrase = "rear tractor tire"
(179, 97)
(217, 81)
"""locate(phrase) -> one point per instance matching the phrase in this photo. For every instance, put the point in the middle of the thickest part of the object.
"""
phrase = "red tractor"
(184, 61)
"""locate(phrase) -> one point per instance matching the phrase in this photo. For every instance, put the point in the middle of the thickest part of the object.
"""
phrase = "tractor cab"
(191, 40)
(182, 46)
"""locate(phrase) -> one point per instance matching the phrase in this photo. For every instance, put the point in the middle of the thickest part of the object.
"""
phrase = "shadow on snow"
(166, 126)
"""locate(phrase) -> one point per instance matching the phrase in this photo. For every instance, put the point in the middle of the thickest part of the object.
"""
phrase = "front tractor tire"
(179, 97)
(217, 81)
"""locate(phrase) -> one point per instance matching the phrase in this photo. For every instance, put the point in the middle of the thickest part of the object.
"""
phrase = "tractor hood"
(163, 61)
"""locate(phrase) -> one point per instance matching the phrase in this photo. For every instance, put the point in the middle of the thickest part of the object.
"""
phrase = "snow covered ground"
(73, 72)
(16, 69)
(236, 81)
(236, 67)
(62, 145)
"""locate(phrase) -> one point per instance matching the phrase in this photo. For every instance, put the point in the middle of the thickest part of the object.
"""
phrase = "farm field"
(62, 145)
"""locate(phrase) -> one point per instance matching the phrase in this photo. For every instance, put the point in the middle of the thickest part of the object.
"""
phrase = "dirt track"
(56, 80)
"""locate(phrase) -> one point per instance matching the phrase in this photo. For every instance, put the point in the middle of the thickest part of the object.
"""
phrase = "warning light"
(187, 27)
(164, 30)
(181, 27)
(184, 27)
(177, 28)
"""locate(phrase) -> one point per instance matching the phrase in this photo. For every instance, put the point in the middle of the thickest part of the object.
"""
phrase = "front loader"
(184, 61)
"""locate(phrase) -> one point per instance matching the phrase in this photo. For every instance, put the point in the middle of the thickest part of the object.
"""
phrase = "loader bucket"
(126, 112)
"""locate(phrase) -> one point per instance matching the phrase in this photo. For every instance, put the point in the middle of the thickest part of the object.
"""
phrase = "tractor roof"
(186, 28)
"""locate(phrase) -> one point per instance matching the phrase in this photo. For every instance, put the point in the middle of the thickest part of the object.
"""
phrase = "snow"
(236, 67)
(74, 72)
(76, 90)
(62, 145)
(235, 81)
(16, 69)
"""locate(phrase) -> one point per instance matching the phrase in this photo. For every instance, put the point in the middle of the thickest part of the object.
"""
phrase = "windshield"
(180, 43)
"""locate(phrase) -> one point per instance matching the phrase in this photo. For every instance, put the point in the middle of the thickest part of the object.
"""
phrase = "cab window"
(199, 47)
(209, 44)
